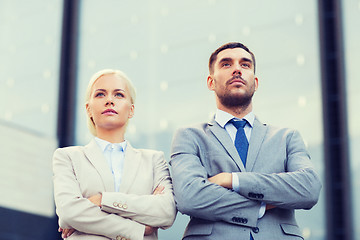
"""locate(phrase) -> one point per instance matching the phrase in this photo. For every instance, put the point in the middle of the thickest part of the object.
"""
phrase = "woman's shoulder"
(146, 151)
(69, 150)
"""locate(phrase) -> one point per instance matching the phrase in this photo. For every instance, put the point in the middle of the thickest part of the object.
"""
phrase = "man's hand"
(269, 206)
(223, 179)
(66, 232)
(96, 199)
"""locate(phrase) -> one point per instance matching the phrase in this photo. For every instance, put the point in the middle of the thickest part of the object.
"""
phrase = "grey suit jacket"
(82, 171)
(278, 172)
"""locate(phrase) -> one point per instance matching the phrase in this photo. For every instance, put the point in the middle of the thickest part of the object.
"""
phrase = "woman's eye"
(100, 94)
(119, 95)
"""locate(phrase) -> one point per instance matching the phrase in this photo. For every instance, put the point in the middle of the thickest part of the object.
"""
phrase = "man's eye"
(246, 65)
(226, 64)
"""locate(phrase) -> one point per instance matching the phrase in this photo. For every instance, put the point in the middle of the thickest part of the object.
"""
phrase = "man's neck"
(237, 111)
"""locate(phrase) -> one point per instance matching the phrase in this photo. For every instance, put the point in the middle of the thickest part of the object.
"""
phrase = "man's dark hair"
(213, 56)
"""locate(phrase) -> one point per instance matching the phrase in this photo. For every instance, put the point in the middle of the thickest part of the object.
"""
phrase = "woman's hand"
(96, 199)
(159, 190)
(150, 230)
(66, 232)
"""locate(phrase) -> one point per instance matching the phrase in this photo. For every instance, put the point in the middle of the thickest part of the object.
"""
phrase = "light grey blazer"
(82, 171)
(278, 172)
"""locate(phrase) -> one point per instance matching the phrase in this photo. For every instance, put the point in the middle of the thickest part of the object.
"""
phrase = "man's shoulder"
(275, 131)
(196, 127)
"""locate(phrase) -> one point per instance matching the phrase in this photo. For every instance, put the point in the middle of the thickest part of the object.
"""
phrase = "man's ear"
(256, 81)
(210, 82)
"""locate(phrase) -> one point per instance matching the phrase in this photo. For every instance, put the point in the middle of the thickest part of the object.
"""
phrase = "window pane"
(164, 46)
(351, 14)
(29, 60)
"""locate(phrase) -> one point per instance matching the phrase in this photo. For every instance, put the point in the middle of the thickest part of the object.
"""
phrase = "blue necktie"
(241, 142)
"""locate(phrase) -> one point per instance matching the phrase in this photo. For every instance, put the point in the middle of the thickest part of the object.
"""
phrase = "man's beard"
(236, 100)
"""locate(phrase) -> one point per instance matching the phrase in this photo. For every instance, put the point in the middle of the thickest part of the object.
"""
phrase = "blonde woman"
(108, 189)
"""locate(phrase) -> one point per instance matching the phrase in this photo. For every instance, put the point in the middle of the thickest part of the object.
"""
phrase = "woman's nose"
(109, 101)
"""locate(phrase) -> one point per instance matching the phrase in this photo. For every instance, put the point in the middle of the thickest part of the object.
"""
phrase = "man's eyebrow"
(246, 60)
(225, 60)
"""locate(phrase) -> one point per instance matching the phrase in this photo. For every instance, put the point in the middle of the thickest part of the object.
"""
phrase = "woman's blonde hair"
(95, 77)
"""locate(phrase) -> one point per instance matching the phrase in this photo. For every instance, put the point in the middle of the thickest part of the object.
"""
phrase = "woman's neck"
(111, 135)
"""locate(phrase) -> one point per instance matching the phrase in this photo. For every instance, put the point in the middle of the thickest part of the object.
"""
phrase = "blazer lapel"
(256, 139)
(131, 165)
(96, 157)
(225, 140)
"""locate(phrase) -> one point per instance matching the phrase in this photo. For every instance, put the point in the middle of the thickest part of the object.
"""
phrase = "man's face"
(233, 79)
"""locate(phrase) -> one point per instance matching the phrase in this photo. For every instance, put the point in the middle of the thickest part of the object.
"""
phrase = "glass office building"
(163, 47)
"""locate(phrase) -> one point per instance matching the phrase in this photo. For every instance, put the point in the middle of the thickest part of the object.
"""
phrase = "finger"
(159, 189)
(65, 232)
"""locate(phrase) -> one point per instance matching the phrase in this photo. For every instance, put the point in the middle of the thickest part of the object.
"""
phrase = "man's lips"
(237, 79)
(109, 111)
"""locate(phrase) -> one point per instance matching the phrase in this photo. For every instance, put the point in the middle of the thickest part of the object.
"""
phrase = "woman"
(108, 189)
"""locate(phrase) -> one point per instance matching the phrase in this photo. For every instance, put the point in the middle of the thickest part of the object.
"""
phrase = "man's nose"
(237, 69)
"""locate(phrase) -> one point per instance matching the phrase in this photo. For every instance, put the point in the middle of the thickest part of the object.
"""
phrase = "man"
(240, 182)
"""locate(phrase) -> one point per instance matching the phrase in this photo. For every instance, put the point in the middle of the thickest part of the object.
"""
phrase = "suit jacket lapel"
(131, 165)
(96, 157)
(225, 140)
(256, 139)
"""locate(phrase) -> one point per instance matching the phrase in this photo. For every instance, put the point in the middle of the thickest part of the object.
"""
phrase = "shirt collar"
(222, 118)
(103, 144)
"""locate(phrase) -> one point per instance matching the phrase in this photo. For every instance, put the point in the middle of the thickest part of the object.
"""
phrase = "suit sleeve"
(298, 187)
(152, 210)
(79, 213)
(195, 195)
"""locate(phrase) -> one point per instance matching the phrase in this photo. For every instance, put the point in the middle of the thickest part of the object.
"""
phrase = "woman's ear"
(88, 111)
(132, 111)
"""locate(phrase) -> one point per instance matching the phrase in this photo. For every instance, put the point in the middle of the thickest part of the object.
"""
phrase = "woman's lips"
(109, 111)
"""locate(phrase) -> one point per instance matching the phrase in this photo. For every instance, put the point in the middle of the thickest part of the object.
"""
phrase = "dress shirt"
(223, 118)
(114, 154)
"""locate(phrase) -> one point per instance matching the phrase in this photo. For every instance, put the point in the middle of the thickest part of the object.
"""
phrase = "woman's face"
(110, 105)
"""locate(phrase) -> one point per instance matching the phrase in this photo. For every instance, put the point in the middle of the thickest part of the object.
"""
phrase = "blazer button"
(120, 205)
(115, 204)
(124, 206)
(255, 229)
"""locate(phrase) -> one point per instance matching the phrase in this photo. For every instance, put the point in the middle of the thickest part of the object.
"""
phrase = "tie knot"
(238, 123)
